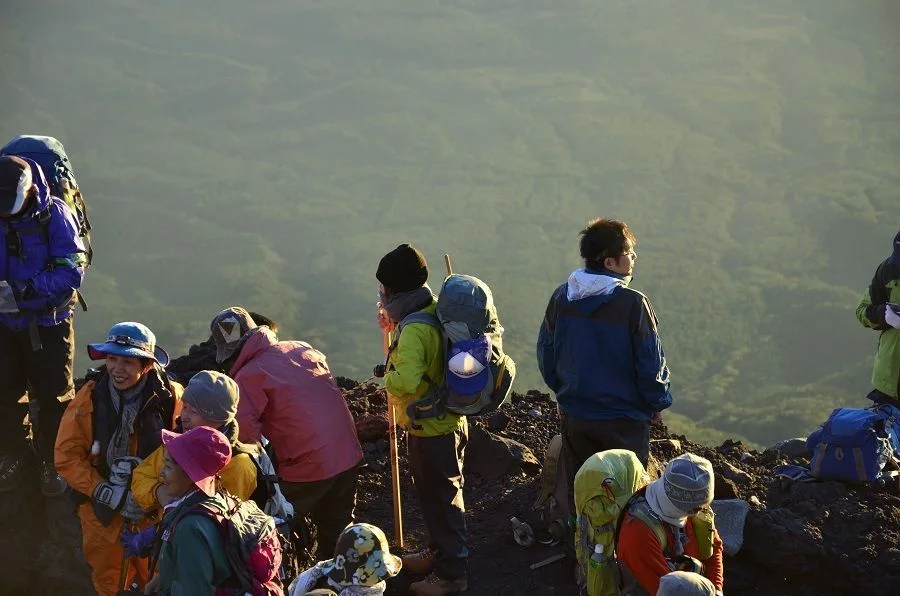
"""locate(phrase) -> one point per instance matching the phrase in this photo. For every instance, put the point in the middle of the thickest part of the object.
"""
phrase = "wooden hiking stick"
(447, 263)
(395, 458)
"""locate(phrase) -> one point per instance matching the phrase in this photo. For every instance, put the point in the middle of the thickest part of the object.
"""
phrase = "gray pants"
(437, 471)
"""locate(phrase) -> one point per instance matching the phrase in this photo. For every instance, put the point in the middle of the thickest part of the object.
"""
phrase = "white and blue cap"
(467, 365)
(132, 340)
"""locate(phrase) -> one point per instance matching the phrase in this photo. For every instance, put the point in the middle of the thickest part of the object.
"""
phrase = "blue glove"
(137, 544)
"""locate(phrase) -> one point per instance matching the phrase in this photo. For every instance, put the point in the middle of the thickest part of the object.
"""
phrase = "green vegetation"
(269, 153)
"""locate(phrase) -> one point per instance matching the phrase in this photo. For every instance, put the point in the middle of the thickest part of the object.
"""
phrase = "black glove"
(22, 289)
(379, 371)
(686, 563)
(108, 498)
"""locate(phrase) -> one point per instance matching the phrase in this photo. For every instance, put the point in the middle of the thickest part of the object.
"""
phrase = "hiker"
(598, 350)
(192, 553)
(210, 399)
(42, 262)
(685, 583)
(361, 565)
(114, 422)
(879, 309)
(664, 528)
(435, 446)
(288, 395)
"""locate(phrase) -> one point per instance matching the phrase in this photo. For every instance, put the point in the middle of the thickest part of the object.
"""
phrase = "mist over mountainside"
(268, 154)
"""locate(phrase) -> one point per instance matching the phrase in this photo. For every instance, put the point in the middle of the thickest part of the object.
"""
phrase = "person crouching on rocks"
(114, 421)
(668, 527)
(361, 565)
(436, 446)
(210, 399)
(192, 553)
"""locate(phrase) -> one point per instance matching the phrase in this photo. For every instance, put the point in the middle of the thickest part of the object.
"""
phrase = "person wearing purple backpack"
(42, 263)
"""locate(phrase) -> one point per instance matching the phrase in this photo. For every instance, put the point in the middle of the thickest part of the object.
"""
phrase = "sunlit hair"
(602, 238)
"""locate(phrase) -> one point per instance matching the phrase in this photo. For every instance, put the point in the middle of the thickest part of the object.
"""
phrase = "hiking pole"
(126, 561)
(395, 459)
(449, 266)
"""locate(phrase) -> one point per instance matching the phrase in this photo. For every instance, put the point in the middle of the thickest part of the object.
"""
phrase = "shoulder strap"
(426, 318)
(638, 507)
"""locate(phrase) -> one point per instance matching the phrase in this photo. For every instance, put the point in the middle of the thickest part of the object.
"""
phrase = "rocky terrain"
(800, 538)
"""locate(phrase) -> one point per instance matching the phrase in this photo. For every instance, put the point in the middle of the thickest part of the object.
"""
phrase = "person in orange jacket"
(114, 421)
(660, 533)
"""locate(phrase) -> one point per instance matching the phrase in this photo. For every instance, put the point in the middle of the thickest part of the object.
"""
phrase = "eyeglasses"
(630, 254)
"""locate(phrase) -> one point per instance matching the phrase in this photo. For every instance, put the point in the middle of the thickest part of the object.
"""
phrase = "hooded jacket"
(884, 288)
(289, 395)
(52, 257)
(598, 349)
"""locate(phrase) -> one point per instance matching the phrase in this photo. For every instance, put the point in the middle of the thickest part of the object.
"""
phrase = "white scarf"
(663, 507)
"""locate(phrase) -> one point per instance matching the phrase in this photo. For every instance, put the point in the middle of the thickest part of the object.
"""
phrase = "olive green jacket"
(885, 287)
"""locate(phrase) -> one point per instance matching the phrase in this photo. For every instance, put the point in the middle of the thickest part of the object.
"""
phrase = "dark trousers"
(437, 470)
(46, 375)
(329, 503)
(583, 438)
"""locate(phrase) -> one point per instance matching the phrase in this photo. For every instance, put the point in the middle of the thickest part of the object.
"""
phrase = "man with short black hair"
(599, 351)
(42, 262)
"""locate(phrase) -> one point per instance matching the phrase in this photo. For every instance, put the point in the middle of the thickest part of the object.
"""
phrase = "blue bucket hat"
(132, 340)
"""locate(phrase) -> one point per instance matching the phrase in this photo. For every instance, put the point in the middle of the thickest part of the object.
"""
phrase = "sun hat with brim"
(132, 340)
(201, 452)
(361, 557)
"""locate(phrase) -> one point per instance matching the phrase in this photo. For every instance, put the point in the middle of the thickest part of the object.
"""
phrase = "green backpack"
(603, 486)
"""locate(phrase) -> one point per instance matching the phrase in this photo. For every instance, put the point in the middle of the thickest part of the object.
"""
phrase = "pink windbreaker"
(289, 395)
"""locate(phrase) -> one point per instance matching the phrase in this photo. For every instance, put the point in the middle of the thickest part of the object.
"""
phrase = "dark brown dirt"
(801, 539)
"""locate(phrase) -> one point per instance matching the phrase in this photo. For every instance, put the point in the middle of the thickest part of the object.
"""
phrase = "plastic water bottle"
(597, 556)
(95, 454)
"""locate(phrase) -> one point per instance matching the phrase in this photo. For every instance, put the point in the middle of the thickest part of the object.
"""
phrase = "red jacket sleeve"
(252, 404)
(641, 553)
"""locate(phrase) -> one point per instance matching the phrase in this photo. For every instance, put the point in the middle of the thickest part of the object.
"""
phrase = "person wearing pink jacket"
(289, 395)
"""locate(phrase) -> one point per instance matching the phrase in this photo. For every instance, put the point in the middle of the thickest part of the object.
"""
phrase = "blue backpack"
(856, 445)
(51, 156)
(478, 375)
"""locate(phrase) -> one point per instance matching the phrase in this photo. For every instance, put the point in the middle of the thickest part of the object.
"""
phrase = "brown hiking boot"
(434, 586)
(419, 563)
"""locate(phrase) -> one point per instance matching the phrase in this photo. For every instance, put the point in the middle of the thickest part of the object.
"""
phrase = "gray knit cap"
(688, 482)
(214, 394)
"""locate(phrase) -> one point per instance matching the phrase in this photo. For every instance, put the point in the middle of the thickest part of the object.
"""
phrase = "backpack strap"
(638, 507)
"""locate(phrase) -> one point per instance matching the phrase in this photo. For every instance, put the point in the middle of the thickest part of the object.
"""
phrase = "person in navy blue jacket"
(598, 350)
(42, 260)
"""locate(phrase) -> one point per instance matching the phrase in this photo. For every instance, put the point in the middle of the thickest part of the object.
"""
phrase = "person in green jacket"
(435, 446)
(878, 309)
(192, 557)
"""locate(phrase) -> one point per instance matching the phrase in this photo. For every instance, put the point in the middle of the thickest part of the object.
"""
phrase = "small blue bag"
(854, 445)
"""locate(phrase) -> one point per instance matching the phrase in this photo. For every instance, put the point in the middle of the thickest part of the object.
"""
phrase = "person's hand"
(137, 544)
(384, 321)
(121, 469)
(890, 317)
(131, 510)
(379, 371)
(108, 498)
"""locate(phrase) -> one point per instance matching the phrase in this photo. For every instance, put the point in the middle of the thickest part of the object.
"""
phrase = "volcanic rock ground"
(800, 539)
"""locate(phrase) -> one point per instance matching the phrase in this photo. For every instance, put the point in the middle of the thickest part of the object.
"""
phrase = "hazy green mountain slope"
(269, 153)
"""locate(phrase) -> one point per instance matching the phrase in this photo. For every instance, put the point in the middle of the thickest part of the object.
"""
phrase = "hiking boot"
(419, 563)
(52, 484)
(10, 472)
(439, 587)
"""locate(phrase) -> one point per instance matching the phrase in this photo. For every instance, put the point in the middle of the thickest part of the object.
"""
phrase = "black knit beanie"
(403, 269)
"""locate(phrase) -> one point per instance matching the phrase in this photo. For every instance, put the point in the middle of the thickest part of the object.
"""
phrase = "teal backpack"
(478, 375)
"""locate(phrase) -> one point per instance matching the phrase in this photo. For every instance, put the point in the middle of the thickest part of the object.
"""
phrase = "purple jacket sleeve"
(65, 269)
